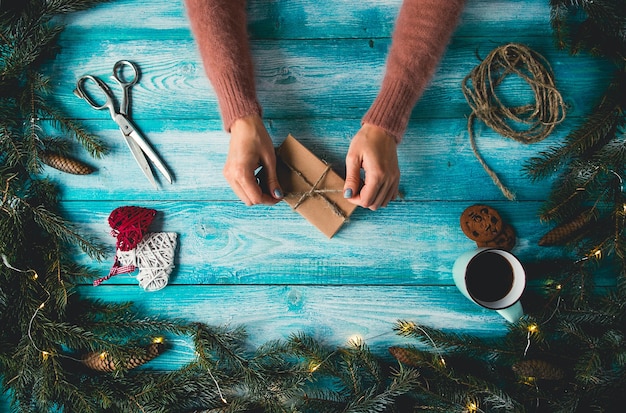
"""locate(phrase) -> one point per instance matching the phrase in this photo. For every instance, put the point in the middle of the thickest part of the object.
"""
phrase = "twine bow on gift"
(315, 191)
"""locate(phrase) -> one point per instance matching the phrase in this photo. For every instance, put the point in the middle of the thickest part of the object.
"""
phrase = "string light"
(158, 340)
(621, 181)
(597, 254)
(35, 277)
(530, 380)
(441, 359)
(472, 407)
(217, 385)
(219, 390)
(355, 340)
(532, 329)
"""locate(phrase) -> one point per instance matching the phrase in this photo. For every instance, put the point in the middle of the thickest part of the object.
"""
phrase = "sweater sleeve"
(423, 30)
(220, 31)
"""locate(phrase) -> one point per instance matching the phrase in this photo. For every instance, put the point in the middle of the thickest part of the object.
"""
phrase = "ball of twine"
(527, 123)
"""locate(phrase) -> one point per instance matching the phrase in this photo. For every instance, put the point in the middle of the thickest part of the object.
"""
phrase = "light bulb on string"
(439, 355)
(472, 407)
(530, 330)
(355, 340)
(32, 274)
(597, 254)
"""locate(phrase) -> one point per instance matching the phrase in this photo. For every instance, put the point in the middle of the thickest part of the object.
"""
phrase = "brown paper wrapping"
(311, 187)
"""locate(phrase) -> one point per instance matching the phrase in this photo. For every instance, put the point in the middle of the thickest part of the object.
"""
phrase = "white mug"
(493, 279)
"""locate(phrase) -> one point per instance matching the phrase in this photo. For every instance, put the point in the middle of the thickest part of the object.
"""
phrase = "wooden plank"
(302, 79)
(435, 159)
(319, 64)
(408, 243)
(333, 314)
(307, 19)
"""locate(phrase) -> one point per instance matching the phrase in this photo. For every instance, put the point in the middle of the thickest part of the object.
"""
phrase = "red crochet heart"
(129, 224)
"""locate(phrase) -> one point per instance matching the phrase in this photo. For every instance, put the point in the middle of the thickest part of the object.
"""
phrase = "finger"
(391, 195)
(370, 191)
(353, 177)
(381, 197)
(241, 194)
(251, 189)
(272, 179)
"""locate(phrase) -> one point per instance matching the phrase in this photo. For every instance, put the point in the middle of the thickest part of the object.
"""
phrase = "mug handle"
(513, 313)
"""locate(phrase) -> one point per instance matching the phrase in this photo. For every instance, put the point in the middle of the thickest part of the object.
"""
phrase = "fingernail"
(278, 193)
(347, 193)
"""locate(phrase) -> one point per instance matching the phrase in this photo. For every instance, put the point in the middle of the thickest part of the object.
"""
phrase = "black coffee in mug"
(489, 277)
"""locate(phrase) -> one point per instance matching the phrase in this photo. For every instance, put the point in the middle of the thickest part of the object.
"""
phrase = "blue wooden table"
(318, 66)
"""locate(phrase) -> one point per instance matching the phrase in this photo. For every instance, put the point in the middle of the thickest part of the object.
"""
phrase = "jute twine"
(315, 191)
(528, 123)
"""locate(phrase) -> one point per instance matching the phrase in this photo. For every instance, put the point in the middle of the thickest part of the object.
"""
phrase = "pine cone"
(538, 369)
(102, 361)
(152, 351)
(65, 163)
(407, 356)
(561, 233)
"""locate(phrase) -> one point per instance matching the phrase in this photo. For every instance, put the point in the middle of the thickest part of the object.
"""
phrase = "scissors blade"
(145, 147)
(130, 133)
(141, 160)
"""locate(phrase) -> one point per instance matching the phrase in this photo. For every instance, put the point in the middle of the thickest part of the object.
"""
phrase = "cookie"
(505, 240)
(481, 223)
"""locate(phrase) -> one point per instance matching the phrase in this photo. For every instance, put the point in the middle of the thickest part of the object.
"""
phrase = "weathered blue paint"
(318, 67)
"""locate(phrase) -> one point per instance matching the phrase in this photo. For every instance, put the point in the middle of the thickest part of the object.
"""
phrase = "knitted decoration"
(129, 224)
(150, 252)
(154, 256)
(103, 361)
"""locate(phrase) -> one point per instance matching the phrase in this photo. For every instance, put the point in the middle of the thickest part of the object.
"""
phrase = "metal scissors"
(136, 142)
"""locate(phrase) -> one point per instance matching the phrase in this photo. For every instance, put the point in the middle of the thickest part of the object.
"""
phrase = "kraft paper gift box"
(311, 187)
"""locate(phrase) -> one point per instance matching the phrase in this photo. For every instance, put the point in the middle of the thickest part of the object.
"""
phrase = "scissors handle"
(120, 76)
(82, 92)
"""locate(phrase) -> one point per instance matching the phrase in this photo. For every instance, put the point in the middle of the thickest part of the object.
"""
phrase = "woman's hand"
(375, 151)
(251, 147)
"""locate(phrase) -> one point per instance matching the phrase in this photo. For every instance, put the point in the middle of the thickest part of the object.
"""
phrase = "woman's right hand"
(251, 147)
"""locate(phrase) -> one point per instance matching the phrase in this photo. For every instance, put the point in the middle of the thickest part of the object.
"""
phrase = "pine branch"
(92, 143)
(404, 381)
(442, 342)
(64, 230)
(597, 130)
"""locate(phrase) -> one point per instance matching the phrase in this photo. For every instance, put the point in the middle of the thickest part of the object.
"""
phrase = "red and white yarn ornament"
(129, 224)
(136, 248)
(154, 256)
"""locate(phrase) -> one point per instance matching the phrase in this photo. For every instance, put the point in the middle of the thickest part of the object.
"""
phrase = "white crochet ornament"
(154, 256)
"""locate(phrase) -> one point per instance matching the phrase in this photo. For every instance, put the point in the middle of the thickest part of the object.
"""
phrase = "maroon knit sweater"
(422, 32)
